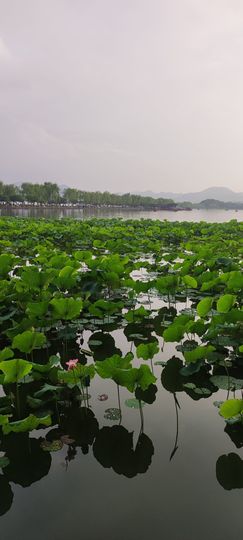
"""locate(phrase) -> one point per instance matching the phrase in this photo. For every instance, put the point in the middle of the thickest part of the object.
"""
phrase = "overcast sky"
(122, 94)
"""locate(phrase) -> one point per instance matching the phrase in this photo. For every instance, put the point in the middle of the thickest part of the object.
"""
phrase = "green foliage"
(15, 370)
(225, 303)
(66, 308)
(120, 370)
(204, 306)
(26, 424)
(199, 353)
(147, 350)
(6, 353)
(190, 281)
(69, 285)
(28, 340)
(77, 374)
(136, 315)
(231, 408)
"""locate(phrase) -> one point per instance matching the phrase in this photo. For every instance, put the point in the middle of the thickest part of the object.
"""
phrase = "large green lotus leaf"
(167, 284)
(190, 281)
(59, 261)
(33, 279)
(66, 308)
(66, 278)
(196, 327)
(37, 309)
(177, 328)
(234, 316)
(73, 376)
(112, 279)
(235, 282)
(126, 377)
(199, 353)
(204, 306)
(120, 370)
(145, 377)
(5, 354)
(83, 256)
(15, 370)
(174, 332)
(54, 361)
(28, 340)
(147, 350)
(6, 263)
(207, 285)
(133, 377)
(27, 424)
(136, 314)
(106, 368)
(48, 388)
(231, 408)
(4, 289)
(225, 303)
(4, 419)
(104, 306)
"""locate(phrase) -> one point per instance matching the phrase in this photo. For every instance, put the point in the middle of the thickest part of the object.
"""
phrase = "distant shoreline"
(156, 208)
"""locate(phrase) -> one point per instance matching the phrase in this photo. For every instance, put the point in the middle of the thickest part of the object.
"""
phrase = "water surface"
(217, 216)
(164, 476)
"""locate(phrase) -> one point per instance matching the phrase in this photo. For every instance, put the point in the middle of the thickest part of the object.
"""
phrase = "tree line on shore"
(50, 193)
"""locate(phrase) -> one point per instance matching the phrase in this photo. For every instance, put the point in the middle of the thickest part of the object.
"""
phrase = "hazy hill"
(219, 193)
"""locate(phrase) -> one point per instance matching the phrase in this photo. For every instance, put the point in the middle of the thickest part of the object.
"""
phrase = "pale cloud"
(4, 52)
(143, 94)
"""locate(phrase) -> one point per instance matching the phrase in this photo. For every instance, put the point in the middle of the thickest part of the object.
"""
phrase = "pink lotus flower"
(71, 364)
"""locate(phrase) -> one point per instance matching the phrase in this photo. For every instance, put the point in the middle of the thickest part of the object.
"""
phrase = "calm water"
(218, 216)
(165, 475)
(117, 480)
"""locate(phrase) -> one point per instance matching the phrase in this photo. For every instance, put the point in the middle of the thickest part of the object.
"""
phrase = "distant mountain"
(219, 193)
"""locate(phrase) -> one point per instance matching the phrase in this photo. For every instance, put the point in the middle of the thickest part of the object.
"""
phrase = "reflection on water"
(217, 216)
(229, 471)
(167, 434)
(104, 463)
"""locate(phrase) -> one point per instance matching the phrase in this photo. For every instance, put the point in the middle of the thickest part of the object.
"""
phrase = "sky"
(122, 95)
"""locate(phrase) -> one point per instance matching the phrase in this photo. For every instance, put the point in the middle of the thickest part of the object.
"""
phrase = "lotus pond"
(121, 372)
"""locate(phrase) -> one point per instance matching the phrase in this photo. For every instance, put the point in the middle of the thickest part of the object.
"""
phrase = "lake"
(170, 468)
(166, 477)
(217, 216)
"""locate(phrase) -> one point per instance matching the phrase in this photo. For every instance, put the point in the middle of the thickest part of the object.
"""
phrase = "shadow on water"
(114, 447)
(229, 471)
